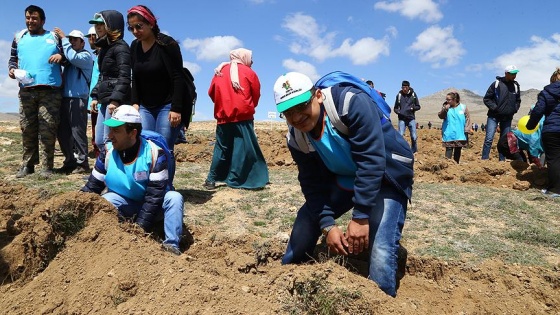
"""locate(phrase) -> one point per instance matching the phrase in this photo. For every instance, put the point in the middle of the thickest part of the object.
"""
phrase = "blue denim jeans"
(386, 222)
(491, 126)
(172, 214)
(157, 119)
(101, 130)
(412, 128)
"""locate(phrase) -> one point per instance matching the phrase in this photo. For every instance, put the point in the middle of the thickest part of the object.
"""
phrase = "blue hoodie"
(77, 72)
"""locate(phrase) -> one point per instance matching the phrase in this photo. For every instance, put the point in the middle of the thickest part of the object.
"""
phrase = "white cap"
(77, 34)
(91, 31)
(511, 69)
(291, 89)
(122, 115)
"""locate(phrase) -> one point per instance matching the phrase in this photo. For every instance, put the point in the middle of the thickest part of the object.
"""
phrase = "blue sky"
(433, 44)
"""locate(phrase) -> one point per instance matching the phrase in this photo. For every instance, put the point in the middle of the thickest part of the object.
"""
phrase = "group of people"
(128, 89)
(503, 99)
(349, 155)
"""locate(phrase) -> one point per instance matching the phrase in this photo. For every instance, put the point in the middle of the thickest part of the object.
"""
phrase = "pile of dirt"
(106, 268)
(67, 254)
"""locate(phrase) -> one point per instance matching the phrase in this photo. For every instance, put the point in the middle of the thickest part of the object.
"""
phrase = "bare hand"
(112, 106)
(11, 73)
(174, 119)
(59, 32)
(56, 58)
(336, 241)
(136, 106)
(357, 235)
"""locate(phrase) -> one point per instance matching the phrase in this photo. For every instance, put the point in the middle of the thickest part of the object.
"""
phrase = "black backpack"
(189, 111)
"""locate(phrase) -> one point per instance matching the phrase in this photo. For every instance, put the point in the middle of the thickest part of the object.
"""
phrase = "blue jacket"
(157, 178)
(548, 105)
(381, 156)
(77, 72)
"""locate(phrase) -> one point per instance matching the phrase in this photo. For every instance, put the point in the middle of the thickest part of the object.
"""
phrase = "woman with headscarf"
(235, 91)
(158, 85)
(113, 86)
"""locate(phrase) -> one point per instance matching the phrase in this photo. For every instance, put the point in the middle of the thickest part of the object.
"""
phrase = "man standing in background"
(73, 111)
(35, 60)
(406, 104)
(503, 100)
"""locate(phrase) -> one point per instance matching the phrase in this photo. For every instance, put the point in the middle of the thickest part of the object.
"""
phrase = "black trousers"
(72, 131)
(551, 146)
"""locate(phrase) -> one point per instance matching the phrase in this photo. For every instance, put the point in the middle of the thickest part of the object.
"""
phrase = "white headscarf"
(239, 55)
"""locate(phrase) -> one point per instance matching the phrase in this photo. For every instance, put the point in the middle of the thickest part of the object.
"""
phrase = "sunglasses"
(299, 108)
(137, 26)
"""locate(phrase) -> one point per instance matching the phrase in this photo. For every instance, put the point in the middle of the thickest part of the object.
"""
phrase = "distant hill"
(431, 105)
(9, 116)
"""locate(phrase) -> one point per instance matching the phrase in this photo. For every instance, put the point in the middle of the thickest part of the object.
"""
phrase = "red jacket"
(234, 106)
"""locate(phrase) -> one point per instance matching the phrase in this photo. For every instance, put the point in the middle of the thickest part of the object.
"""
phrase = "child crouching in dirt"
(367, 170)
(137, 182)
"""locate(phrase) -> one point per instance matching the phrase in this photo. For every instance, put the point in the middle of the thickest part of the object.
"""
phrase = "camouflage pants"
(38, 119)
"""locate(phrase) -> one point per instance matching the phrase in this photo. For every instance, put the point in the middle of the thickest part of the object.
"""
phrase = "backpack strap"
(330, 108)
(497, 83)
(155, 152)
(301, 141)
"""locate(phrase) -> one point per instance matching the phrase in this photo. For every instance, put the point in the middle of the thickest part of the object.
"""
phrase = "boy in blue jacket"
(367, 168)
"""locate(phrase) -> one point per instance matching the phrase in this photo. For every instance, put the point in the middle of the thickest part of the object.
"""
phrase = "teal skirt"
(237, 159)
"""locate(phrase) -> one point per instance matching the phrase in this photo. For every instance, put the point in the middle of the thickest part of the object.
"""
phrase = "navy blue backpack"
(345, 79)
(160, 141)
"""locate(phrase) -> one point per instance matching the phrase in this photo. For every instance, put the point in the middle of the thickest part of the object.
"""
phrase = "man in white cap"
(73, 110)
(135, 172)
(367, 168)
(503, 100)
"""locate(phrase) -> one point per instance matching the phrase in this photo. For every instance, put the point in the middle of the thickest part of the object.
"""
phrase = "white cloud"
(392, 31)
(215, 48)
(437, 46)
(536, 62)
(303, 67)
(425, 10)
(8, 87)
(193, 67)
(314, 41)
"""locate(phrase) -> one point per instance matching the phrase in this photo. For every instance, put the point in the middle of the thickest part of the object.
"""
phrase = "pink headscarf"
(239, 55)
(144, 13)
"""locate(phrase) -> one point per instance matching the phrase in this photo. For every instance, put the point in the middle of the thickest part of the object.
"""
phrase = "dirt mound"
(106, 268)
(68, 254)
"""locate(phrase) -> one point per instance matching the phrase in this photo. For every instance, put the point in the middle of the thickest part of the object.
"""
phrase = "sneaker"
(209, 185)
(24, 171)
(171, 248)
